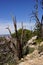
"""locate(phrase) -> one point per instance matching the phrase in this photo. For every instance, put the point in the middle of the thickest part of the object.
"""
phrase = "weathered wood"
(19, 46)
(42, 27)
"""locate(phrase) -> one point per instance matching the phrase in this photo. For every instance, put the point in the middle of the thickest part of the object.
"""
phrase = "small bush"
(28, 50)
(31, 50)
(38, 40)
(40, 48)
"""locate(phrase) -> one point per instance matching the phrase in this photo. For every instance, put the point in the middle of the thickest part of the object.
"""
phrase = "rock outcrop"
(32, 59)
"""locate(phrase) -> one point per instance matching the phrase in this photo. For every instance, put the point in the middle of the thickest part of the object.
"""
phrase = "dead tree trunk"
(42, 27)
(22, 34)
(19, 46)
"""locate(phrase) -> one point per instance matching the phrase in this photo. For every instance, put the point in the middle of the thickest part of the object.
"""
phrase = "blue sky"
(21, 9)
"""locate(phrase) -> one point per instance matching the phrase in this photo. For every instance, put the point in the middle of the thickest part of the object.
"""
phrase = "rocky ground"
(32, 59)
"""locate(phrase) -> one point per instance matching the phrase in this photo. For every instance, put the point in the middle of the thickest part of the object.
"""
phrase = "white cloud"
(3, 26)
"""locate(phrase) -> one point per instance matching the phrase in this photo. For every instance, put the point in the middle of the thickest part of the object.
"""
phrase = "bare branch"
(37, 19)
(9, 30)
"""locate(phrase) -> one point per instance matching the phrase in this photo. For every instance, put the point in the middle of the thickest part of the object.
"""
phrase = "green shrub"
(27, 34)
(40, 48)
(31, 50)
(28, 50)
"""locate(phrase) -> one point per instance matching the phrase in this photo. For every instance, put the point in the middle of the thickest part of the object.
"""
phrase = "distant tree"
(42, 4)
(38, 25)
